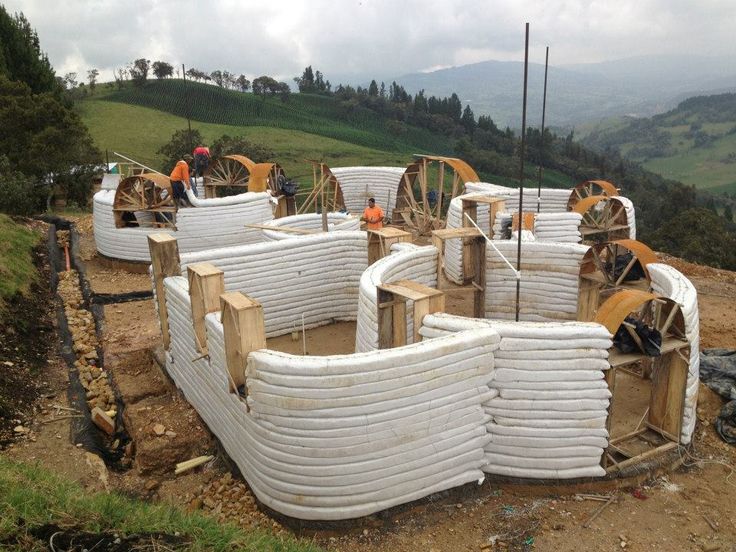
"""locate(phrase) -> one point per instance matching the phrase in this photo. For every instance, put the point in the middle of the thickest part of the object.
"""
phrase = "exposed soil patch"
(26, 337)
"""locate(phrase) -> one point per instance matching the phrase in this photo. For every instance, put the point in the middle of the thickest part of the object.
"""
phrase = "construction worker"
(201, 160)
(180, 180)
(373, 215)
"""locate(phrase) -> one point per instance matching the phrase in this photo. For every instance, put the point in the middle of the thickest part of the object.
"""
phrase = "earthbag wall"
(216, 223)
(316, 276)
(671, 283)
(360, 183)
(343, 436)
(548, 420)
(336, 222)
(406, 262)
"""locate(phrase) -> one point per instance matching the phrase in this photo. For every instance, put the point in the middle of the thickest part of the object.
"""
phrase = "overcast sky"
(368, 37)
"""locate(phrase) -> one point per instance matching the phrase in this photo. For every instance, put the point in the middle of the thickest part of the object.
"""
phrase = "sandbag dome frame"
(145, 193)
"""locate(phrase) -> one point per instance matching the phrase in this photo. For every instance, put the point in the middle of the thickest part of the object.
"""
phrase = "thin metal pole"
(107, 159)
(137, 163)
(186, 100)
(521, 174)
(541, 143)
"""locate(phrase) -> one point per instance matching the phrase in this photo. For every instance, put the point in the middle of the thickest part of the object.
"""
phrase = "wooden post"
(206, 284)
(392, 300)
(381, 240)
(669, 384)
(164, 263)
(244, 329)
(528, 221)
(478, 253)
(589, 292)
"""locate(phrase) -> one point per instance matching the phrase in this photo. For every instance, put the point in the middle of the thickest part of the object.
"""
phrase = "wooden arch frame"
(599, 261)
(416, 212)
(238, 171)
(590, 188)
(604, 219)
(145, 193)
(326, 194)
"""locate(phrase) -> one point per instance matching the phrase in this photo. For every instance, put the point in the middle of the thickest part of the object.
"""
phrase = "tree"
(70, 80)
(139, 71)
(216, 77)
(242, 83)
(306, 81)
(43, 138)
(121, 75)
(181, 142)
(92, 75)
(162, 70)
(468, 120)
(21, 58)
(265, 85)
(373, 88)
(284, 91)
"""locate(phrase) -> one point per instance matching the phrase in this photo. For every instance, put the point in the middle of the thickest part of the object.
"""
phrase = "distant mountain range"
(639, 87)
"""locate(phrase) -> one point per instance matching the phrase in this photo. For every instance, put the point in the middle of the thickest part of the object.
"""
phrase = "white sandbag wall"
(406, 262)
(549, 281)
(110, 181)
(548, 418)
(630, 215)
(212, 223)
(668, 281)
(553, 200)
(558, 227)
(360, 183)
(315, 275)
(343, 436)
(336, 222)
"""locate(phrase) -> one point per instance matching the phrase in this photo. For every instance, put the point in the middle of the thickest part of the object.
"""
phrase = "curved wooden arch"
(228, 172)
(604, 219)
(413, 206)
(144, 193)
(590, 188)
(265, 176)
(662, 313)
(601, 258)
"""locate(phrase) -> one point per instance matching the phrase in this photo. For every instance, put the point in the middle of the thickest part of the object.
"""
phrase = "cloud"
(368, 37)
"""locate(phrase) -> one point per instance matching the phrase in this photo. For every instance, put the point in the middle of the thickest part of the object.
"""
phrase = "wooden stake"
(164, 263)
(206, 284)
(244, 329)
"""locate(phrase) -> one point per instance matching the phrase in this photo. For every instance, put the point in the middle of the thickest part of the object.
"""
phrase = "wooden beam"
(165, 262)
(641, 457)
(206, 284)
(392, 300)
(244, 329)
(669, 383)
(478, 253)
(381, 240)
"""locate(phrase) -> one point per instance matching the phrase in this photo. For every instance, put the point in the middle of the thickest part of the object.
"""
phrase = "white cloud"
(368, 37)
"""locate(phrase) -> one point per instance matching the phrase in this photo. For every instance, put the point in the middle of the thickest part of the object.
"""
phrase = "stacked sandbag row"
(558, 227)
(630, 215)
(549, 280)
(553, 200)
(214, 223)
(316, 276)
(342, 436)
(110, 181)
(407, 262)
(671, 283)
(549, 415)
(360, 183)
(220, 222)
(336, 222)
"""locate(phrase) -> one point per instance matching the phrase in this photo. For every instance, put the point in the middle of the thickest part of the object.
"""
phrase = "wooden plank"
(478, 249)
(452, 233)
(627, 436)
(386, 302)
(244, 329)
(421, 309)
(164, 251)
(398, 314)
(667, 402)
(589, 292)
(641, 457)
(206, 284)
(408, 289)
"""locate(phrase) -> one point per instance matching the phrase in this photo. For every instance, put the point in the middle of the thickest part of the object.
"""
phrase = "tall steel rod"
(521, 174)
(541, 143)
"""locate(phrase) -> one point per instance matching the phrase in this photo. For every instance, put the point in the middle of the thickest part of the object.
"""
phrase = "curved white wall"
(360, 183)
(343, 436)
(671, 283)
(407, 262)
(315, 275)
(215, 223)
(548, 418)
(336, 222)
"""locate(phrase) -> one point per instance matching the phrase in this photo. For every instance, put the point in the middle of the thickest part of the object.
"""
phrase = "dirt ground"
(691, 508)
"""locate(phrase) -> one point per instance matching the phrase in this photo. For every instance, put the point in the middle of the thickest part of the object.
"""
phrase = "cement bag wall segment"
(316, 275)
(342, 436)
(360, 183)
(215, 223)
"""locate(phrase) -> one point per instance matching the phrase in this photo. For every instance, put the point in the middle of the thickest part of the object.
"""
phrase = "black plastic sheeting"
(83, 431)
(650, 338)
(718, 371)
(112, 298)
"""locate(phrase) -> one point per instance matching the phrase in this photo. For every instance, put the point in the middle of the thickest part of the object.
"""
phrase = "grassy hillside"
(16, 258)
(694, 143)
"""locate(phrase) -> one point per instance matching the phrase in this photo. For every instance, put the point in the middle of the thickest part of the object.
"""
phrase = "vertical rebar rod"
(521, 173)
(541, 143)
(186, 101)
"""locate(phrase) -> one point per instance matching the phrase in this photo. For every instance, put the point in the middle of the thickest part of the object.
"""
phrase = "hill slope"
(693, 143)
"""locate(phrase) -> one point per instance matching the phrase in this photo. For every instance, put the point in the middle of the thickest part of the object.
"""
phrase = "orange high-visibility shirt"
(374, 217)
(180, 173)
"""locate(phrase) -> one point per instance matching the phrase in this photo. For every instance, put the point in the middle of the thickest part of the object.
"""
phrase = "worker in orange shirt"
(180, 180)
(373, 215)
